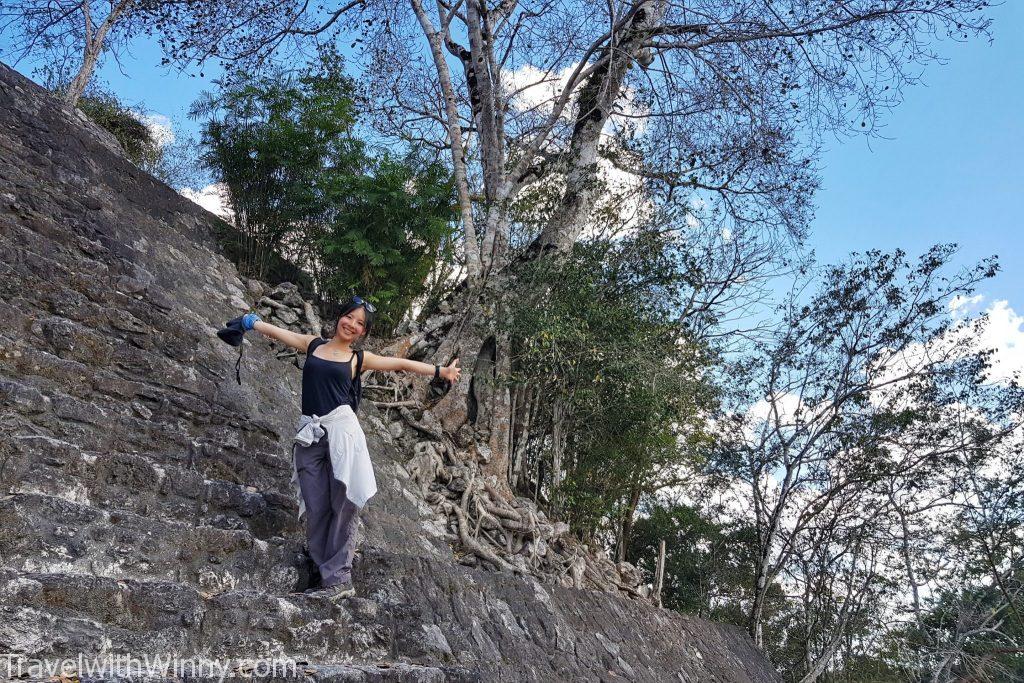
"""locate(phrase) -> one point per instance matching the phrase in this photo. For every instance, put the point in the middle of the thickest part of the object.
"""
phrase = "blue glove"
(249, 320)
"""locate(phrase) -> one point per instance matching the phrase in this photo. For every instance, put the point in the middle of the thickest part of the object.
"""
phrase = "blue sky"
(951, 170)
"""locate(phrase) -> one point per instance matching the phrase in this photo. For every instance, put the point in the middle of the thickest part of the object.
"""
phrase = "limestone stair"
(145, 503)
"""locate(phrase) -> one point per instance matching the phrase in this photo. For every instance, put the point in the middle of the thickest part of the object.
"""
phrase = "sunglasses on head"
(360, 301)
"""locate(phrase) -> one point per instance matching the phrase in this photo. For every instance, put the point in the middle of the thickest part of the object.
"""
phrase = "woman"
(332, 471)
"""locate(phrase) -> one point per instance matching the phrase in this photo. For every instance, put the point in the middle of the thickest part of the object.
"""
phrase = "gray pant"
(331, 518)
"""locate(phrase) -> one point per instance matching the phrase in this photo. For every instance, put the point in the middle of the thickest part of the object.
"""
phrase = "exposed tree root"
(471, 543)
(494, 527)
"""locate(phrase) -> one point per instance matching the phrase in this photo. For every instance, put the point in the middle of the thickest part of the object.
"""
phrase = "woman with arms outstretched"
(332, 472)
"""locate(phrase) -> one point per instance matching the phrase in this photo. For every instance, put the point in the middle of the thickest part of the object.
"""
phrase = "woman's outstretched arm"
(293, 339)
(372, 361)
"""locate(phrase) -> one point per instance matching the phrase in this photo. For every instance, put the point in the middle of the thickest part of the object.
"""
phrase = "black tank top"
(327, 384)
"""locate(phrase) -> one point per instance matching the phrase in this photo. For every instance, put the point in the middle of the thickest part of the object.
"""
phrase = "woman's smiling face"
(352, 325)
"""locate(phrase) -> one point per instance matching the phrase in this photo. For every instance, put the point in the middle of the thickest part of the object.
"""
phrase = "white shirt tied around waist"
(350, 459)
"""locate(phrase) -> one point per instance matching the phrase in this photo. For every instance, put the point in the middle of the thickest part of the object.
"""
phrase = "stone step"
(138, 483)
(432, 613)
(47, 615)
(62, 614)
(71, 400)
(43, 533)
(383, 672)
(166, 670)
(134, 483)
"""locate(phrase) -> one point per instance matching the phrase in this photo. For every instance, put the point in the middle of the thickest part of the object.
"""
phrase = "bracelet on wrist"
(249, 320)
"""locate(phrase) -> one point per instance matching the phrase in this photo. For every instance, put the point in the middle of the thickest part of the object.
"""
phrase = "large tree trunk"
(456, 145)
(90, 56)
(481, 400)
(596, 102)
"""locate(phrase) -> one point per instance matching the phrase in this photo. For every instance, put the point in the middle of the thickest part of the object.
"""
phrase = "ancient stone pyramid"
(145, 502)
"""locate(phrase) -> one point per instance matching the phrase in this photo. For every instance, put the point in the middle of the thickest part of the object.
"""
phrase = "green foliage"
(274, 140)
(278, 268)
(301, 183)
(108, 112)
(708, 566)
(617, 383)
(388, 230)
(863, 668)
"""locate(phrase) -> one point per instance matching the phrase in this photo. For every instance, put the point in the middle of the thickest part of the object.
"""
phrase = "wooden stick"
(659, 573)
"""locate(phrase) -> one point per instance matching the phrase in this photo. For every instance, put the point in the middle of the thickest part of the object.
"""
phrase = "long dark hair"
(345, 309)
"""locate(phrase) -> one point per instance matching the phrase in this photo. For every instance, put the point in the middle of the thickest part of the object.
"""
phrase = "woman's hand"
(451, 373)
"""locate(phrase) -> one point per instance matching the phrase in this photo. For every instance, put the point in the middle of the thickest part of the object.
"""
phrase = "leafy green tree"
(275, 140)
(387, 230)
(302, 184)
(865, 668)
(611, 381)
(707, 562)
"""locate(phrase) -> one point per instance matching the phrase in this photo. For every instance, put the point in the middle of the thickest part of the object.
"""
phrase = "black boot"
(309, 574)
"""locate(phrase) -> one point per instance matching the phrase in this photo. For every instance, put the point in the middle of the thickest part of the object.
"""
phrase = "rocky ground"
(144, 497)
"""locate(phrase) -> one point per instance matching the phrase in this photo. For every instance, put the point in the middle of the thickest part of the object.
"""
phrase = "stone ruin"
(145, 506)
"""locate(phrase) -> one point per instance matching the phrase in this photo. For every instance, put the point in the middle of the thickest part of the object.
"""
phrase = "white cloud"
(787, 407)
(213, 198)
(159, 127)
(959, 306)
(1003, 333)
(535, 89)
